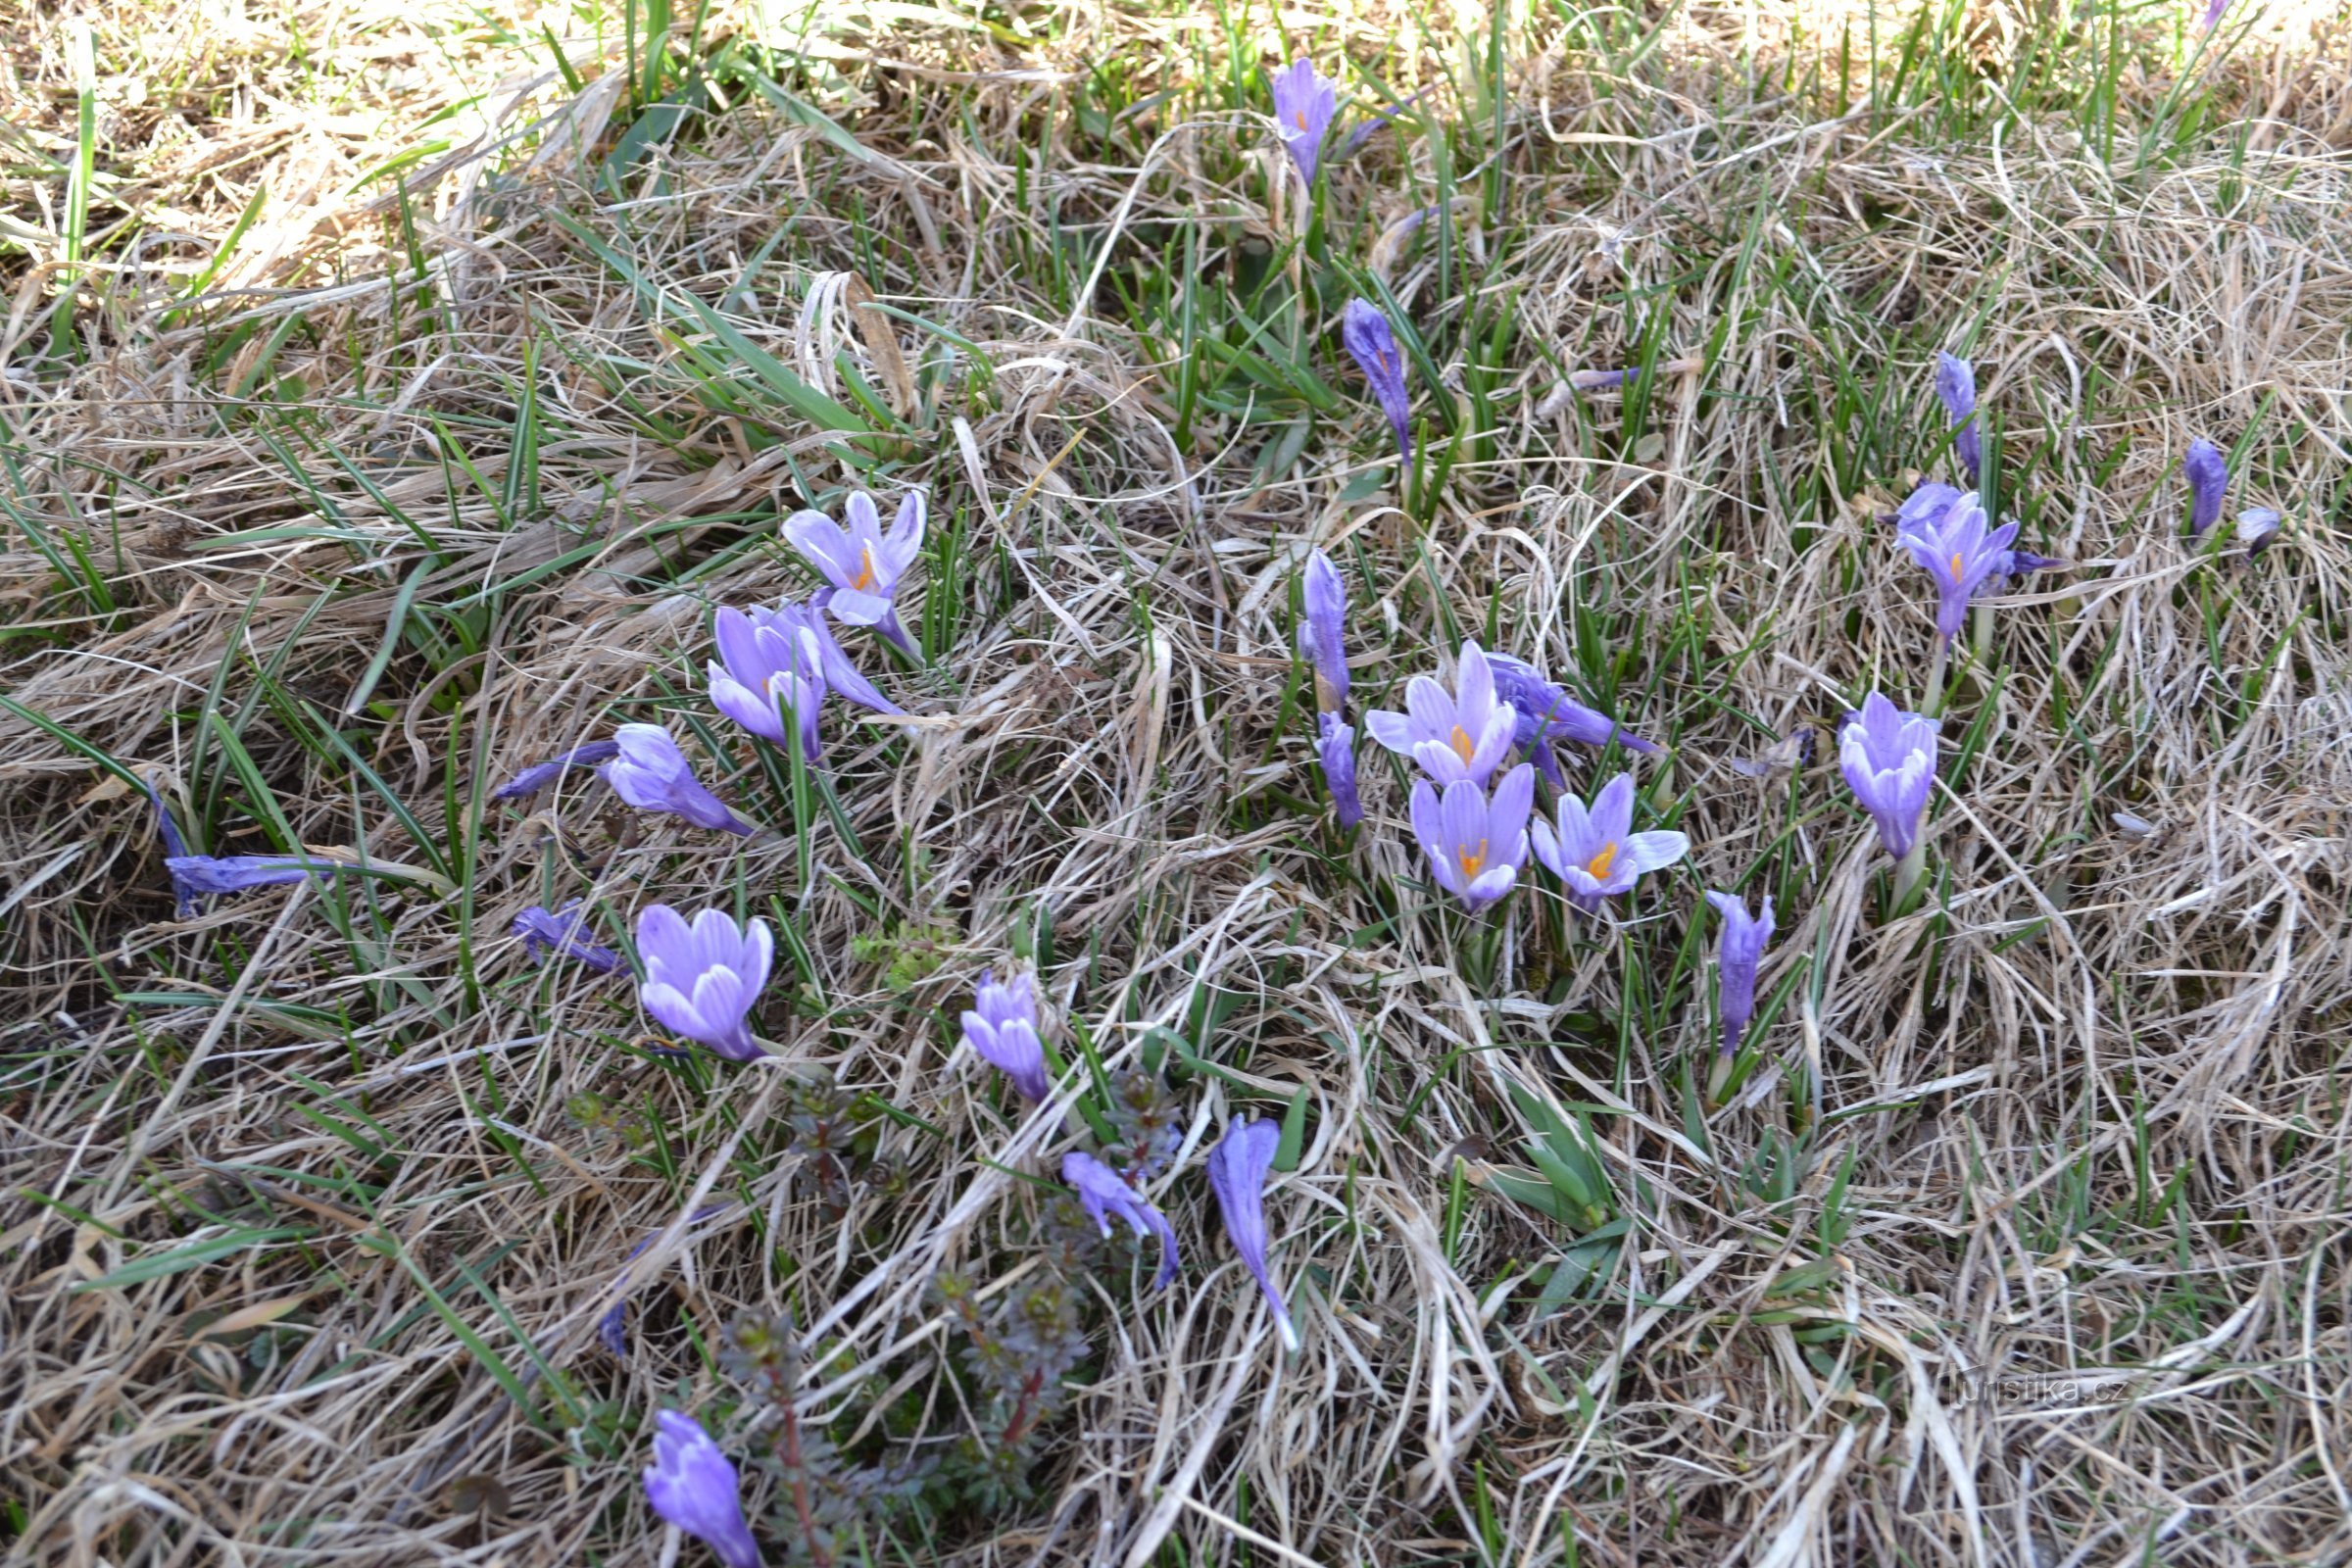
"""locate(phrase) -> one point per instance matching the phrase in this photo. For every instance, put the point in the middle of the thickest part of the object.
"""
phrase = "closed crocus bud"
(1956, 387)
(562, 933)
(1544, 712)
(652, 775)
(1334, 748)
(531, 781)
(1103, 1193)
(2255, 527)
(1889, 758)
(1372, 341)
(1736, 955)
(1595, 850)
(1323, 633)
(692, 1486)
(1303, 105)
(1002, 1030)
(701, 980)
(2208, 474)
(1237, 1174)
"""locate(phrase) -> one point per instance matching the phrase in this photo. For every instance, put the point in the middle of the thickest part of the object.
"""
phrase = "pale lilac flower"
(2131, 827)
(1303, 105)
(1103, 1194)
(2255, 527)
(652, 775)
(1475, 845)
(1237, 1174)
(787, 653)
(1956, 386)
(701, 980)
(692, 1486)
(1322, 634)
(1334, 748)
(864, 565)
(1960, 553)
(1464, 734)
(1737, 955)
(1369, 337)
(1543, 712)
(1002, 1030)
(2215, 10)
(1594, 850)
(561, 933)
(1927, 506)
(531, 781)
(2208, 475)
(1889, 758)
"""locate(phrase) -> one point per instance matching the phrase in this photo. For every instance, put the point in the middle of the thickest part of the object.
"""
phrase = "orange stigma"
(1301, 118)
(1473, 862)
(866, 569)
(1958, 571)
(1463, 746)
(1598, 867)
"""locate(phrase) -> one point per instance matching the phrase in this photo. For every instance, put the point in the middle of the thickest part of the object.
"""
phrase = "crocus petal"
(1237, 1173)
(691, 1485)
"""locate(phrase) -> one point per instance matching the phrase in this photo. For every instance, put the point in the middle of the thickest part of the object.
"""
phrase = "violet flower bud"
(1475, 845)
(701, 980)
(1455, 736)
(1237, 1173)
(1737, 955)
(1594, 850)
(1334, 748)
(652, 775)
(1322, 636)
(1889, 758)
(1002, 1030)
(1303, 105)
(692, 1486)
(1960, 553)
(1956, 386)
(864, 565)
(561, 933)
(531, 781)
(2208, 474)
(1369, 337)
(1544, 712)
(1103, 1193)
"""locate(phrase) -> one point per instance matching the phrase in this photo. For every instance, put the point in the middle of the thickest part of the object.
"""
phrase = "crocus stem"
(1909, 871)
(1932, 704)
(1982, 633)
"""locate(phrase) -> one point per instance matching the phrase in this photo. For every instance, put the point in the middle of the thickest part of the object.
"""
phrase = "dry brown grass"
(2090, 1097)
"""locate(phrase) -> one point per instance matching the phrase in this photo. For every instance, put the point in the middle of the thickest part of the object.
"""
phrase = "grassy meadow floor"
(389, 395)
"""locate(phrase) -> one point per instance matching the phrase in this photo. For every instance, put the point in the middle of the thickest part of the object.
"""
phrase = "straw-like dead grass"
(2076, 1125)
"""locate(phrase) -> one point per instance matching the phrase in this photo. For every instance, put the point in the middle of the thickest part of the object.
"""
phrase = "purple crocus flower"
(1103, 1194)
(790, 653)
(1334, 748)
(1476, 845)
(2208, 475)
(1373, 342)
(864, 565)
(1322, 636)
(1594, 850)
(701, 980)
(1460, 735)
(652, 775)
(1002, 1030)
(1956, 386)
(1544, 712)
(1737, 955)
(531, 781)
(1237, 1174)
(2215, 10)
(1927, 506)
(560, 933)
(2255, 527)
(1304, 104)
(692, 1486)
(1889, 758)
(1960, 553)
(194, 875)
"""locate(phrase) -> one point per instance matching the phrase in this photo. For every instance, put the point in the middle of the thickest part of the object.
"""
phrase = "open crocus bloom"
(1457, 736)
(1596, 852)
(1002, 1029)
(1475, 845)
(863, 564)
(1304, 103)
(702, 979)
(784, 655)
(1961, 553)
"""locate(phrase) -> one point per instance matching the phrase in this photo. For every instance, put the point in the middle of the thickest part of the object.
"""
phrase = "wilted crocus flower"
(652, 775)
(1791, 750)
(787, 653)
(1889, 758)
(1464, 734)
(2255, 527)
(701, 980)
(1960, 553)
(2208, 475)
(1103, 1193)
(1322, 636)
(1543, 712)
(194, 876)
(1596, 380)
(1735, 958)
(692, 1486)
(560, 933)
(1002, 1030)
(531, 781)
(1304, 104)
(1956, 385)
(1237, 1174)
(864, 565)
(1334, 748)
(1476, 845)
(1373, 341)
(1594, 850)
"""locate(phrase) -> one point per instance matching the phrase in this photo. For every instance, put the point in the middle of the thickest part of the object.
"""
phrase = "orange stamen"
(1472, 862)
(1598, 867)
